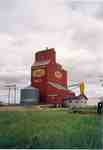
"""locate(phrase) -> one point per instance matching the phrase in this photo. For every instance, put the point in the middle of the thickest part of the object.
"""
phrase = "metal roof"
(57, 85)
(30, 88)
(40, 63)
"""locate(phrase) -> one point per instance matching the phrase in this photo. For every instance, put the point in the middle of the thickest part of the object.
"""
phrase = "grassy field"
(54, 128)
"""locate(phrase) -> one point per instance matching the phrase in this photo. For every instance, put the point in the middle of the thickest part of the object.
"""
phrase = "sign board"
(58, 74)
(38, 73)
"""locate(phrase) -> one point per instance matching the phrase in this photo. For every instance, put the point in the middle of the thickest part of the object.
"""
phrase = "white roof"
(57, 85)
(40, 63)
(30, 87)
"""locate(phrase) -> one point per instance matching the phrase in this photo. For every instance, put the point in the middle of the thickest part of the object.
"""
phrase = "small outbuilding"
(29, 96)
(76, 101)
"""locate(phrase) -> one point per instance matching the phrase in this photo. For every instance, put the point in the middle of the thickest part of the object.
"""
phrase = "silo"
(29, 96)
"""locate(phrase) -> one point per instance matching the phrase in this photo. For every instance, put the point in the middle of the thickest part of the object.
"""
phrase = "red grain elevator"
(49, 77)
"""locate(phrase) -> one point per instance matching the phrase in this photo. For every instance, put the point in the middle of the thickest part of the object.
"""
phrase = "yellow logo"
(58, 74)
(39, 73)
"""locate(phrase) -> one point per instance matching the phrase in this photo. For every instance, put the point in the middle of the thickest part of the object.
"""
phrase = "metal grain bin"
(29, 96)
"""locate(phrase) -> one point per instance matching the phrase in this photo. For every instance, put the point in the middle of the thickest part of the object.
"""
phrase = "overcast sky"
(74, 28)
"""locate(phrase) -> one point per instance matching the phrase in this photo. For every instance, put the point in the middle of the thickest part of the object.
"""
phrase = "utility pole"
(33, 58)
(9, 95)
(15, 94)
(25, 73)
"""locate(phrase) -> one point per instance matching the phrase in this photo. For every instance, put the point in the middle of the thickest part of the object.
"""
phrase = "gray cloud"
(7, 6)
(74, 28)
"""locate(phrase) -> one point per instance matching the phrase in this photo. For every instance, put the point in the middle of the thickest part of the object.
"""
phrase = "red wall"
(46, 55)
(53, 73)
(40, 82)
(52, 69)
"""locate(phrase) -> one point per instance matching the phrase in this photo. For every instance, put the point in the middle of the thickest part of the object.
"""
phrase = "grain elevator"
(49, 77)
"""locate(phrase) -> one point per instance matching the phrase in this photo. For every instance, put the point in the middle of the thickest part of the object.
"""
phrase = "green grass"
(50, 129)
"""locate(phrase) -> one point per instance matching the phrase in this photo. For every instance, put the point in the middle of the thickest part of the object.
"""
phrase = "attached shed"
(29, 95)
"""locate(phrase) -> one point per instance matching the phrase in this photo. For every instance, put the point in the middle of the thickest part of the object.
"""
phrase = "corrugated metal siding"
(30, 95)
